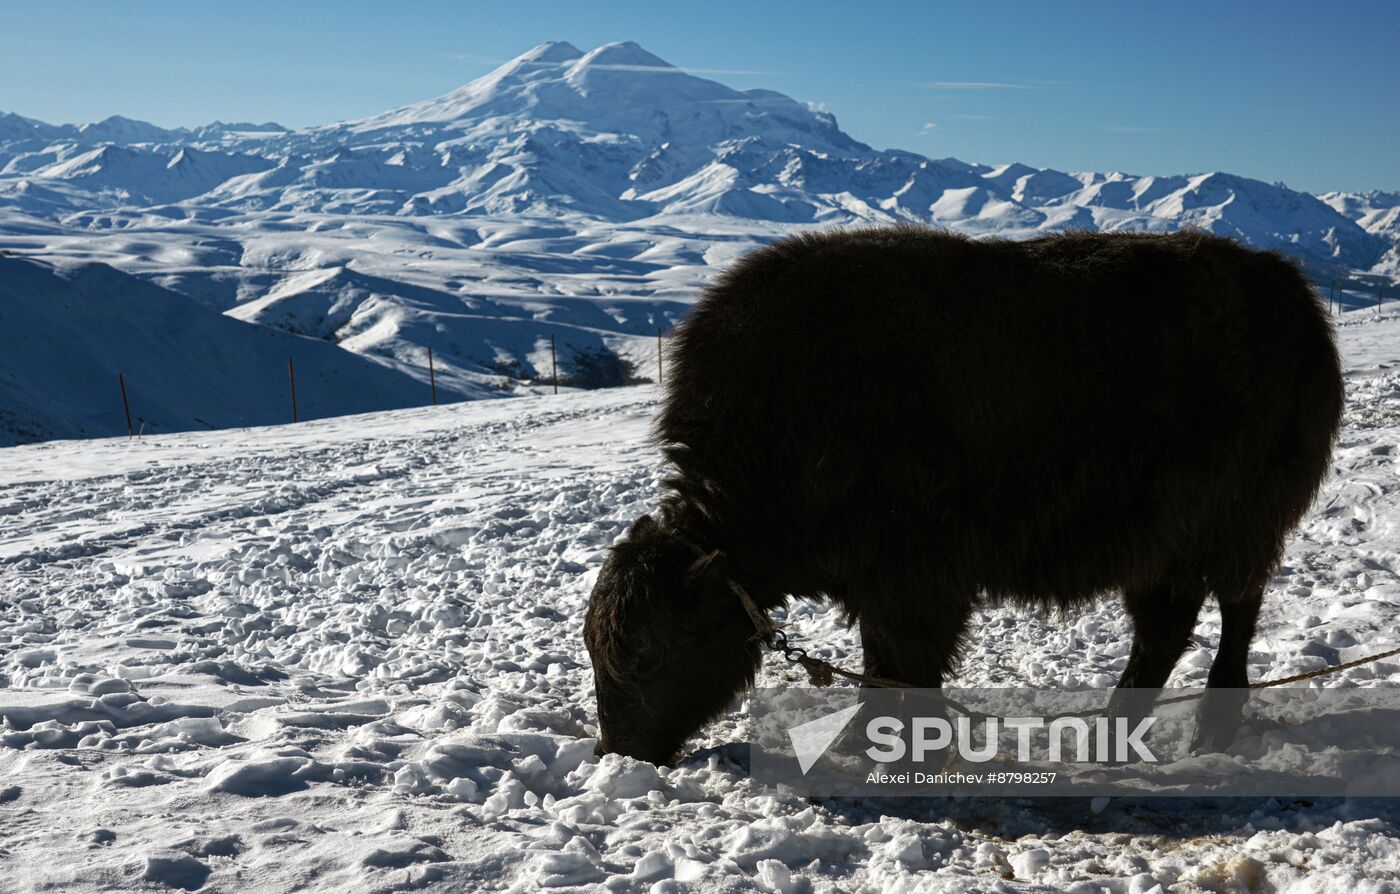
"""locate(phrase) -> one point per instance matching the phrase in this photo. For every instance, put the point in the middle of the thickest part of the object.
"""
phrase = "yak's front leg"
(915, 645)
(1164, 617)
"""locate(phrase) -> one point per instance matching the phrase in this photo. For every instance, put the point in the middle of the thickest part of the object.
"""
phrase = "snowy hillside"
(580, 195)
(346, 656)
(1377, 213)
(67, 332)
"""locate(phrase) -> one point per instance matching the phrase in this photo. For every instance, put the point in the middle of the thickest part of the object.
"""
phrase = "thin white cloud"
(671, 69)
(473, 57)
(929, 127)
(976, 85)
(754, 101)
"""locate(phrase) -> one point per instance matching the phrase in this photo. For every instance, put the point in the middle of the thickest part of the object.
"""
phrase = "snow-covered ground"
(346, 656)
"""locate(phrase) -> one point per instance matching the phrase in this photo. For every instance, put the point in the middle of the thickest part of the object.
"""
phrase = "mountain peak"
(623, 55)
(120, 129)
(538, 61)
(112, 122)
(553, 51)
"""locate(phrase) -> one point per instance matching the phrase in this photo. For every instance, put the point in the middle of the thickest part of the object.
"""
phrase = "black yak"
(905, 421)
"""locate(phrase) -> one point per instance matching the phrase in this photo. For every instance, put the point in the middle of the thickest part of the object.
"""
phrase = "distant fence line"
(1334, 297)
(296, 406)
(1334, 306)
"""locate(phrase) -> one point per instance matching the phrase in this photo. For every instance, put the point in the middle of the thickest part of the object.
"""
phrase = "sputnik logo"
(810, 740)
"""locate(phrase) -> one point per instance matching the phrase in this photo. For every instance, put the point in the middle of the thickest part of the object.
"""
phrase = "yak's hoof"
(1212, 739)
(1218, 720)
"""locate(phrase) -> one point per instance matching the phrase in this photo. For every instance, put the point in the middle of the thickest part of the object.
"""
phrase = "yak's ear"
(643, 528)
(711, 567)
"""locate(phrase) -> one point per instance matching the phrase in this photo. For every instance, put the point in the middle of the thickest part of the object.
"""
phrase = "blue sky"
(1304, 92)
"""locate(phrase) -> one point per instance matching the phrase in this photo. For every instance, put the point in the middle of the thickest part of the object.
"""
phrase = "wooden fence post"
(121, 380)
(553, 365)
(432, 376)
(292, 376)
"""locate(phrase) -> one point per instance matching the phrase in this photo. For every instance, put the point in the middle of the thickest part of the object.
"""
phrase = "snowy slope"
(121, 176)
(1378, 213)
(485, 295)
(67, 332)
(346, 656)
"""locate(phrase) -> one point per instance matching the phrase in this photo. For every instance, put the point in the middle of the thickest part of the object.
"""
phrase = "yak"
(907, 422)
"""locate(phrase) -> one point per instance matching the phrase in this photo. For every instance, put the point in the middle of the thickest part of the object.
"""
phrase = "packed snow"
(346, 655)
(579, 197)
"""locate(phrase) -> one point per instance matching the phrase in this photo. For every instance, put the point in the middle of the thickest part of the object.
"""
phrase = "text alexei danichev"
(878, 778)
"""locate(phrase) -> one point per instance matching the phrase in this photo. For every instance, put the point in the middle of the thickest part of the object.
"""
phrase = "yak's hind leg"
(1221, 710)
(1163, 616)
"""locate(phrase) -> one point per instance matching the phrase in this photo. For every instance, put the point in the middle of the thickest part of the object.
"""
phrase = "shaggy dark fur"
(905, 421)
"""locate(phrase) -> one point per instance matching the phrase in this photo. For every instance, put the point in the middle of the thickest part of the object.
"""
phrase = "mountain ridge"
(620, 134)
(566, 205)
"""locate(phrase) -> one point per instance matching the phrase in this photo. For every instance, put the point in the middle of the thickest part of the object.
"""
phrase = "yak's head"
(671, 643)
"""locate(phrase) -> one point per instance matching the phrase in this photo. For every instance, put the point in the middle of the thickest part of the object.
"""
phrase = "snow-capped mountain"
(123, 175)
(122, 130)
(618, 88)
(579, 196)
(620, 134)
(1378, 213)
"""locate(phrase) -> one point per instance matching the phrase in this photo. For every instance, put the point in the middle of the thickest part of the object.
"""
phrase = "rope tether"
(822, 673)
